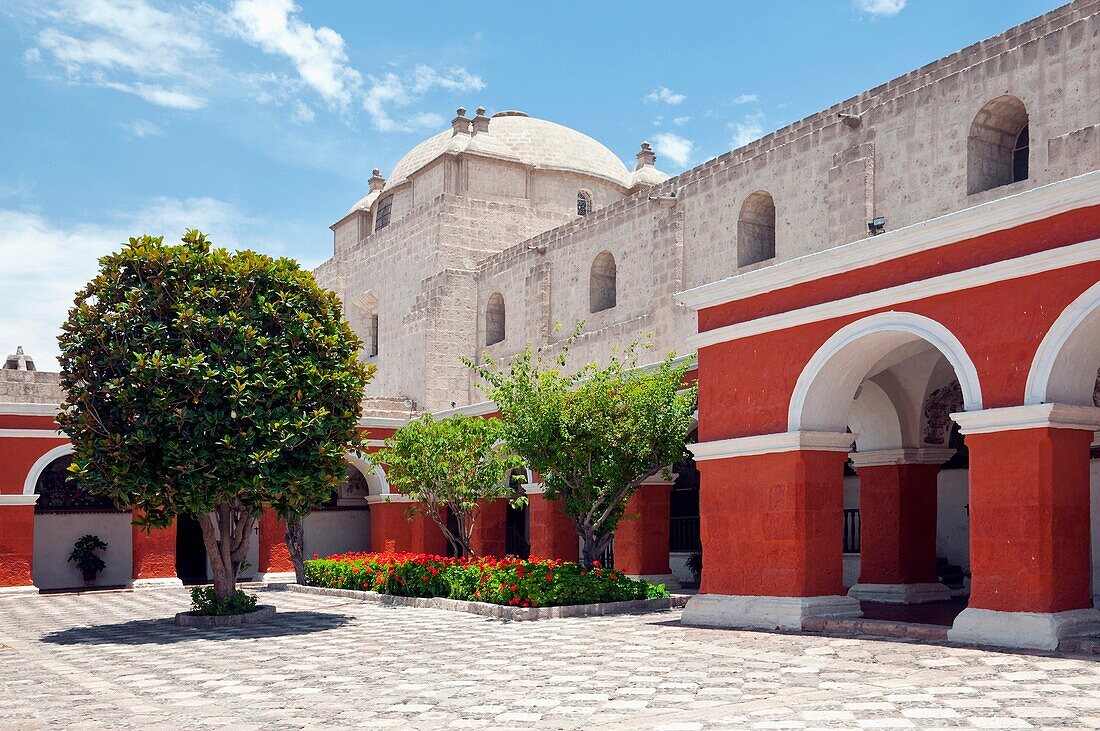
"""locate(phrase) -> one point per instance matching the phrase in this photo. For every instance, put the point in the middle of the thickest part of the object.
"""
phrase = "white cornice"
(32, 434)
(391, 498)
(18, 499)
(481, 408)
(882, 457)
(29, 409)
(811, 441)
(380, 422)
(1050, 416)
(996, 215)
(1022, 266)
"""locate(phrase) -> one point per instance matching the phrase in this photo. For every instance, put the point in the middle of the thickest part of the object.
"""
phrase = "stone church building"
(895, 309)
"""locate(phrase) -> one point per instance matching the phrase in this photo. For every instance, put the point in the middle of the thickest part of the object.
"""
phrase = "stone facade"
(471, 216)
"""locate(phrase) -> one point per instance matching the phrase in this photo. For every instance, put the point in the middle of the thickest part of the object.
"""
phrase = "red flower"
(549, 577)
(514, 587)
(595, 563)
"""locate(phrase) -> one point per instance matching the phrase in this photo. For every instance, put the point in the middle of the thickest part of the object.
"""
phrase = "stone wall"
(30, 387)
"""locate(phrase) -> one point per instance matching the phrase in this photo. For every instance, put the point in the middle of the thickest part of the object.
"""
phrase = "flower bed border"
(501, 611)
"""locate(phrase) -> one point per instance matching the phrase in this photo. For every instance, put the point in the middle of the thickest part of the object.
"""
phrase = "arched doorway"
(191, 558)
(343, 524)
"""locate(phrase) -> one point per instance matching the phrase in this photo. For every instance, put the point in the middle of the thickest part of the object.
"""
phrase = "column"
(771, 513)
(389, 526)
(489, 536)
(641, 538)
(1030, 555)
(552, 532)
(17, 544)
(273, 563)
(154, 558)
(426, 537)
(897, 511)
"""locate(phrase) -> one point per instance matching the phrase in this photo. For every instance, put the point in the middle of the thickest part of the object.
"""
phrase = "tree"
(595, 435)
(447, 466)
(208, 383)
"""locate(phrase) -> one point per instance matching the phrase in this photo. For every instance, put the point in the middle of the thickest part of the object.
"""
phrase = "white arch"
(370, 468)
(1064, 368)
(41, 464)
(823, 394)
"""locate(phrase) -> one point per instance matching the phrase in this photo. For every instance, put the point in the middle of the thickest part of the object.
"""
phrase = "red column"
(641, 538)
(273, 555)
(388, 522)
(154, 557)
(552, 533)
(489, 536)
(426, 537)
(17, 544)
(1029, 520)
(897, 514)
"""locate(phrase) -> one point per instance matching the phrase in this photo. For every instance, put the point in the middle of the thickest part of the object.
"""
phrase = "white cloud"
(681, 120)
(303, 114)
(674, 147)
(143, 128)
(880, 7)
(750, 128)
(666, 95)
(391, 91)
(318, 54)
(32, 55)
(126, 45)
(745, 99)
(43, 263)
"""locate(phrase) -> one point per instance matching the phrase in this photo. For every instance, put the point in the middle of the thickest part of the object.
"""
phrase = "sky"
(259, 121)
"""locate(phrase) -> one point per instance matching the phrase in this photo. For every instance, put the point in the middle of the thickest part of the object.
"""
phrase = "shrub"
(205, 601)
(509, 581)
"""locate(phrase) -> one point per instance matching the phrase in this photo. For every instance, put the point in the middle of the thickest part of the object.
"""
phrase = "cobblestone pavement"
(114, 660)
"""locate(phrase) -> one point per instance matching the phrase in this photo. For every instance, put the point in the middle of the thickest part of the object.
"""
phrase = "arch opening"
(1066, 367)
(494, 319)
(756, 229)
(602, 283)
(997, 145)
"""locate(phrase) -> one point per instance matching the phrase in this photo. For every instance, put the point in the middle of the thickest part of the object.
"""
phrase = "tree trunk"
(296, 545)
(225, 533)
(592, 546)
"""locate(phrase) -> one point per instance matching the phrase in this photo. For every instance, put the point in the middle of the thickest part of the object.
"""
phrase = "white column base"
(671, 582)
(278, 577)
(901, 593)
(1031, 630)
(172, 582)
(765, 612)
(18, 590)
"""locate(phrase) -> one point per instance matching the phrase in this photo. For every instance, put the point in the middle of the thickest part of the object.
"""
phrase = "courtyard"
(115, 659)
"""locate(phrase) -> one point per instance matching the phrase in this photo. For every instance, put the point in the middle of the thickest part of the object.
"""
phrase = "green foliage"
(208, 383)
(508, 581)
(449, 465)
(593, 435)
(205, 601)
(84, 553)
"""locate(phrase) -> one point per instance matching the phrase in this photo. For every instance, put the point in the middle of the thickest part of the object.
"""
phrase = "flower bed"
(506, 581)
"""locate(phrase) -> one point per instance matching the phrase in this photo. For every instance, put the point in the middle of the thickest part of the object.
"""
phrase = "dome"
(545, 145)
(647, 176)
(364, 203)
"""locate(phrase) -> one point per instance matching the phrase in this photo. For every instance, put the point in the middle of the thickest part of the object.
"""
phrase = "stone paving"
(116, 660)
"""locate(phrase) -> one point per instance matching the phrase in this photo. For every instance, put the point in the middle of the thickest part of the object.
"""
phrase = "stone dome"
(538, 142)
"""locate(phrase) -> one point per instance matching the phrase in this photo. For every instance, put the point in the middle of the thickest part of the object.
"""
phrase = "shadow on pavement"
(164, 631)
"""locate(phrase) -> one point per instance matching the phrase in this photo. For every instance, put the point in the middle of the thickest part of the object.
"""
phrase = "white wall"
(952, 521)
(336, 531)
(54, 536)
(1094, 510)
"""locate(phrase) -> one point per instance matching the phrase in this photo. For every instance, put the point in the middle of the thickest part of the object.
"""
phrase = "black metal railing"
(683, 534)
(607, 559)
(851, 530)
(516, 544)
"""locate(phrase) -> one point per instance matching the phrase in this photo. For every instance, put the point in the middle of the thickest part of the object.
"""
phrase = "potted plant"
(86, 559)
(695, 565)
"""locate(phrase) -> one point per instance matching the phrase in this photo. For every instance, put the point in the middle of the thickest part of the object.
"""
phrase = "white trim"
(19, 499)
(533, 488)
(166, 582)
(367, 467)
(1054, 342)
(481, 408)
(770, 443)
(1033, 630)
(376, 442)
(9, 591)
(277, 577)
(765, 612)
(1036, 416)
(394, 497)
(40, 465)
(920, 326)
(901, 593)
(996, 215)
(9, 409)
(1043, 261)
(31, 434)
(659, 479)
(882, 457)
(379, 422)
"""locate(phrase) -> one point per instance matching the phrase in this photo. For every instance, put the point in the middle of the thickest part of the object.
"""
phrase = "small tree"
(208, 383)
(447, 466)
(594, 435)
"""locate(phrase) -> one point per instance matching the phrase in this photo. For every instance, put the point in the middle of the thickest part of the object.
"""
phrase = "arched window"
(382, 213)
(58, 492)
(494, 319)
(601, 288)
(997, 147)
(584, 203)
(756, 229)
(363, 317)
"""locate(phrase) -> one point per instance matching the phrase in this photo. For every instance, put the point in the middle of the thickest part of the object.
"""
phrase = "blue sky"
(259, 121)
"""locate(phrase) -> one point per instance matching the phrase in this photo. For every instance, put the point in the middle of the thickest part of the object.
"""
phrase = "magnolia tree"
(208, 383)
(447, 466)
(594, 435)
